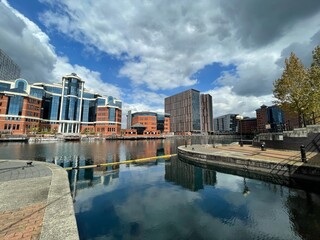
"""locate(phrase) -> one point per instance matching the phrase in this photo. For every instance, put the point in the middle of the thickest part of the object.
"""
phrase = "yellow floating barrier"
(124, 162)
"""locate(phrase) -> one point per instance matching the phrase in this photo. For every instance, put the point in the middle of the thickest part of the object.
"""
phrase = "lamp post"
(239, 117)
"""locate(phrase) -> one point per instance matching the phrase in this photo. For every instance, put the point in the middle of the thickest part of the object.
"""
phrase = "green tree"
(314, 84)
(291, 89)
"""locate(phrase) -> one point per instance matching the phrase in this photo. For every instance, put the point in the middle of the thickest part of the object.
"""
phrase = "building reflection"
(147, 148)
(189, 176)
(304, 215)
(116, 152)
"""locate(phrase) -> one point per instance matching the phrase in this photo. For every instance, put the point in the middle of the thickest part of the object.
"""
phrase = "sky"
(145, 50)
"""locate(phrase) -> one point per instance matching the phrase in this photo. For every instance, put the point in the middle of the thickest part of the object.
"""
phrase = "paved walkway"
(35, 202)
(250, 152)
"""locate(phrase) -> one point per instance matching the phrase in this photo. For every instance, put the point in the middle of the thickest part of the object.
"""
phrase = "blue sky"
(143, 51)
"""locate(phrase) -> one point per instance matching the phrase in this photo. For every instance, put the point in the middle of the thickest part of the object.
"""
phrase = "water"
(174, 199)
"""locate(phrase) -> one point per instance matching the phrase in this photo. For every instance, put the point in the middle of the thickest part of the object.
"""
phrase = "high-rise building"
(226, 124)
(9, 70)
(206, 114)
(63, 108)
(186, 112)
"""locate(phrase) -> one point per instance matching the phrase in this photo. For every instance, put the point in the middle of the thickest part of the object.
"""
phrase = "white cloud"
(26, 44)
(164, 43)
(30, 48)
(226, 101)
(92, 79)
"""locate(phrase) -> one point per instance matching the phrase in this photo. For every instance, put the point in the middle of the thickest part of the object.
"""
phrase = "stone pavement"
(35, 202)
(250, 152)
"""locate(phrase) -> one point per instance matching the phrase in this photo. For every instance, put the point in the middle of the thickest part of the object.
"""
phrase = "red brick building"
(147, 123)
(248, 125)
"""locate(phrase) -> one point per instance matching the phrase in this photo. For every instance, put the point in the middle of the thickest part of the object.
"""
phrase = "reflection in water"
(174, 199)
(141, 204)
(246, 190)
(308, 209)
(189, 176)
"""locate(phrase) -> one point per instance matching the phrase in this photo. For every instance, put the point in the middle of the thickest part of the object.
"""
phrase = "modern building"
(66, 108)
(270, 119)
(187, 113)
(206, 113)
(9, 70)
(129, 119)
(147, 123)
(226, 124)
(248, 126)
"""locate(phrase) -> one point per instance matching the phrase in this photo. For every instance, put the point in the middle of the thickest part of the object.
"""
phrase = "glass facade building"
(9, 70)
(270, 119)
(66, 108)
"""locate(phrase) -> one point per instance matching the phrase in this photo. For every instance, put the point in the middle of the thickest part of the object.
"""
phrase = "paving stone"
(30, 198)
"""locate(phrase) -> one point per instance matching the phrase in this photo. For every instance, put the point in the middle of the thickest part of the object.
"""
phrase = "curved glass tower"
(71, 104)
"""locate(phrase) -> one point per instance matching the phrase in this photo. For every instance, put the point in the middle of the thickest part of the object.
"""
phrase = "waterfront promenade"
(35, 202)
(249, 158)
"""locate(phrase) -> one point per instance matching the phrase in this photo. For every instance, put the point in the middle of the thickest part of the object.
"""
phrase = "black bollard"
(241, 143)
(263, 146)
(303, 153)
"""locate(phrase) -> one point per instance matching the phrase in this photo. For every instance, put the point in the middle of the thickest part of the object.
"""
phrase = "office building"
(9, 70)
(270, 119)
(66, 108)
(147, 123)
(129, 119)
(187, 113)
(206, 114)
(226, 124)
(248, 126)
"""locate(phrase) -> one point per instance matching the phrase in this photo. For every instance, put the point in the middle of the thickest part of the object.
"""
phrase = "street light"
(239, 117)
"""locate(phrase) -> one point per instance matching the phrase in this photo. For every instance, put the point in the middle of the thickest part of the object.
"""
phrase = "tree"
(291, 89)
(314, 84)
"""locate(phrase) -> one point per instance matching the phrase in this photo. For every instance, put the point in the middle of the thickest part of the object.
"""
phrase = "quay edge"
(288, 168)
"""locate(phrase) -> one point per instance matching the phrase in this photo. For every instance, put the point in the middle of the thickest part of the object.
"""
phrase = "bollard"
(185, 143)
(263, 146)
(303, 153)
(241, 143)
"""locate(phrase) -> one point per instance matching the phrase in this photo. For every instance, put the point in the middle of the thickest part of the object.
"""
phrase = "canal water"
(173, 199)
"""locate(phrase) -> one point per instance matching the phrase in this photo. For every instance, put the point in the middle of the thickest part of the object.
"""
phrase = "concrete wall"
(291, 140)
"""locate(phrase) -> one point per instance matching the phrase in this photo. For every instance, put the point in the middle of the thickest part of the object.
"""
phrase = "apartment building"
(190, 112)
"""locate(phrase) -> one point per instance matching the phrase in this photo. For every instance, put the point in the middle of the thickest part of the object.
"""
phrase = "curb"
(59, 220)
